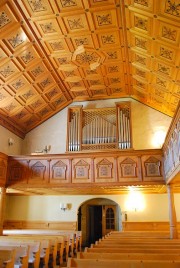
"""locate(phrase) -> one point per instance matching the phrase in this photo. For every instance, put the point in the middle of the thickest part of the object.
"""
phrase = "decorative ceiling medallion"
(140, 59)
(48, 27)
(8, 70)
(27, 57)
(141, 42)
(52, 93)
(37, 71)
(161, 82)
(172, 7)
(68, 3)
(169, 33)
(18, 84)
(166, 53)
(45, 111)
(164, 69)
(142, 2)
(76, 23)
(17, 39)
(108, 39)
(21, 114)
(141, 23)
(4, 19)
(37, 5)
(59, 102)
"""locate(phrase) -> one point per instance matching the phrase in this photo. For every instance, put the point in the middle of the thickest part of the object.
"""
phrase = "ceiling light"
(79, 50)
(94, 65)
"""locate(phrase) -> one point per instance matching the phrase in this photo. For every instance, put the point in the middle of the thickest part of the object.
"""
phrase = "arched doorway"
(97, 217)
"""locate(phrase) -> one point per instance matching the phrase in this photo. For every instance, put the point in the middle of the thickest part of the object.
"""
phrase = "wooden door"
(109, 219)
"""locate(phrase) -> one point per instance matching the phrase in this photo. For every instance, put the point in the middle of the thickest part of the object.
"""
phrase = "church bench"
(34, 248)
(7, 258)
(59, 244)
(105, 263)
(72, 239)
(48, 249)
(132, 250)
(76, 236)
(142, 241)
(21, 255)
(136, 246)
(146, 234)
(128, 256)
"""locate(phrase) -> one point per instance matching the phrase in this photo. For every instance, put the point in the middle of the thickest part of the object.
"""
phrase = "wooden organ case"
(100, 128)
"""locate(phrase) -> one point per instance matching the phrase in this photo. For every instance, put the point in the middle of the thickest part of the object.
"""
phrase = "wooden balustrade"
(171, 149)
(116, 167)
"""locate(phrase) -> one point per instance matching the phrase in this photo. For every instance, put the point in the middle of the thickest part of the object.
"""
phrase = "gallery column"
(2, 207)
(172, 213)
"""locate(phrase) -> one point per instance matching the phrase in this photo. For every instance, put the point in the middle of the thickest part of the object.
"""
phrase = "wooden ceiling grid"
(130, 49)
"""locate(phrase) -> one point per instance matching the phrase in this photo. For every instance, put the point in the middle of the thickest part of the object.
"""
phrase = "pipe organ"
(98, 129)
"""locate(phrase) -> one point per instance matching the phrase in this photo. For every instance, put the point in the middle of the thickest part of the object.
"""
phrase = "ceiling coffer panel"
(55, 52)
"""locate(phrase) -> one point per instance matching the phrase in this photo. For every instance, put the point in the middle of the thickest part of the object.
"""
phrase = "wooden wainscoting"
(15, 224)
(147, 226)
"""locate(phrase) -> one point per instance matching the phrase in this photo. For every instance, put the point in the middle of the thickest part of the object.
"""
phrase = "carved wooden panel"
(129, 169)
(171, 148)
(104, 169)
(130, 49)
(59, 171)
(18, 172)
(152, 167)
(81, 170)
(38, 171)
(3, 169)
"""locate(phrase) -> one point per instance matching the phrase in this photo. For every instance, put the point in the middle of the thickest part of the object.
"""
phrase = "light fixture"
(94, 65)
(47, 148)
(135, 201)
(79, 50)
(158, 138)
(10, 141)
(64, 206)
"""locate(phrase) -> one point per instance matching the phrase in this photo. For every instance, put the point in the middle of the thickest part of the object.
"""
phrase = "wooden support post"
(172, 213)
(2, 207)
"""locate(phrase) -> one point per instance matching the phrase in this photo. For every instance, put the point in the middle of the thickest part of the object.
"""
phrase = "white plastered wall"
(15, 148)
(145, 122)
(47, 208)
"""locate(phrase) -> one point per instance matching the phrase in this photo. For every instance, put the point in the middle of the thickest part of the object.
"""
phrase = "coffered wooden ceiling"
(53, 52)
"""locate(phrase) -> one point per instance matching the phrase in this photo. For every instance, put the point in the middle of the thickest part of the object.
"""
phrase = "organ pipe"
(91, 128)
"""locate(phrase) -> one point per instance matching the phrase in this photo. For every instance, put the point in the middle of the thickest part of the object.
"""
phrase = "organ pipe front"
(98, 129)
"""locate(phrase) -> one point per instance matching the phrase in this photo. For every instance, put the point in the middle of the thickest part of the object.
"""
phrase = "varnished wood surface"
(135, 44)
(86, 173)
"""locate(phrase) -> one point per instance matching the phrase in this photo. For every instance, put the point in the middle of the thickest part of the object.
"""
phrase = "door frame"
(84, 217)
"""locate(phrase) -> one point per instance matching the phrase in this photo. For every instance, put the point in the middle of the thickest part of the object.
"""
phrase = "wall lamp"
(64, 206)
(10, 141)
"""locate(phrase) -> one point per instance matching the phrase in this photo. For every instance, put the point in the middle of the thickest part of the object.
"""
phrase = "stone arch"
(84, 216)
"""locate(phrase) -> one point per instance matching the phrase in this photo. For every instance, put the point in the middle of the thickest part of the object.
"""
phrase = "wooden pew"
(68, 240)
(21, 255)
(146, 234)
(96, 263)
(75, 237)
(41, 255)
(7, 258)
(132, 250)
(128, 256)
(58, 245)
(34, 248)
